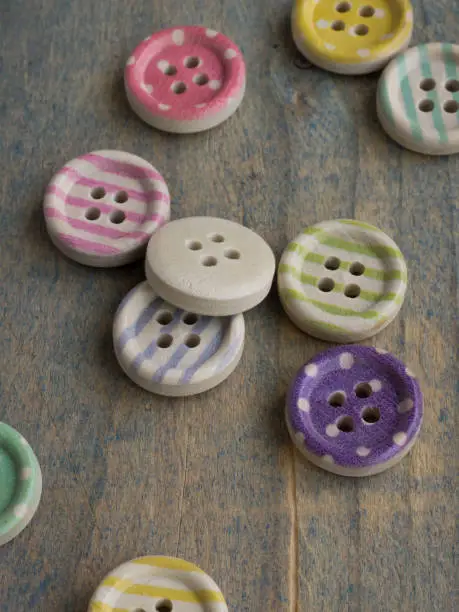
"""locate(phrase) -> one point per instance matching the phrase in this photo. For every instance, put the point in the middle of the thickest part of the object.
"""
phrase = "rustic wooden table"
(214, 478)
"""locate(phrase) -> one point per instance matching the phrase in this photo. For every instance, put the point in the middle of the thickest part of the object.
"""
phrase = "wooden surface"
(214, 479)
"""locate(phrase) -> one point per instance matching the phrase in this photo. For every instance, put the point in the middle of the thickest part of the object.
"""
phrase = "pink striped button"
(102, 208)
(185, 79)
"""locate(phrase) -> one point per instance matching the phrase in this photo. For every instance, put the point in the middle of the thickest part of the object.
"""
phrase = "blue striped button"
(418, 99)
(170, 351)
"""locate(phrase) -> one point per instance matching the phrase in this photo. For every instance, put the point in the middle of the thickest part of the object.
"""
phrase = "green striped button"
(20, 483)
(418, 99)
(342, 280)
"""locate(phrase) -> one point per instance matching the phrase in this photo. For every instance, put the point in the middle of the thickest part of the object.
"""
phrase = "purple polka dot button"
(354, 410)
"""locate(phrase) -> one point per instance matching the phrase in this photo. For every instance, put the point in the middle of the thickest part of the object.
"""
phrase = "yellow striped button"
(342, 280)
(352, 37)
(158, 584)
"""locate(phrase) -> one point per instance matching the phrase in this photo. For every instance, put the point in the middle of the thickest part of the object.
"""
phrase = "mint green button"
(20, 483)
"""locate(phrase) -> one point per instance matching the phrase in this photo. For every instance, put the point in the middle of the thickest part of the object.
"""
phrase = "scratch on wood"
(182, 492)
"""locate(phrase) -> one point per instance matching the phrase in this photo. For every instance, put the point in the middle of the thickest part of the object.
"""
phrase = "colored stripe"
(87, 246)
(127, 587)
(141, 322)
(92, 227)
(307, 279)
(330, 308)
(181, 350)
(170, 563)
(384, 275)
(210, 350)
(437, 112)
(371, 250)
(106, 164)
(134, 194)
(410, 106)
(98, 606)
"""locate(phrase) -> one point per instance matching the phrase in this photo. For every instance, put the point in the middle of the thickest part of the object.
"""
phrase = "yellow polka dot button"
(353, 37)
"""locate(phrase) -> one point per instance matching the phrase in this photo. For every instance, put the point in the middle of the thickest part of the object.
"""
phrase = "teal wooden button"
(20, 483)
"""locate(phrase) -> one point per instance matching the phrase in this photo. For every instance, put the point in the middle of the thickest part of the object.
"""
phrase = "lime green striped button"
(20, 483)
(342, 280)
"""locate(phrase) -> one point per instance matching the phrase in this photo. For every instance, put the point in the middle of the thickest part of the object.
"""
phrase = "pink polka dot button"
(185, 79)
(102, 208)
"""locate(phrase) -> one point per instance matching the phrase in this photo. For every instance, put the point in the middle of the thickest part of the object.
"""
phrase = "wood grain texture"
(214, 478)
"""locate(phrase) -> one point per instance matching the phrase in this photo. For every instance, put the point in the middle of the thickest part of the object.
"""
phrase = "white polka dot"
(332, 430)
(409, 16)
(381, 351)
(409, 372)
(147, 38)
(406, 405)
(147, 88)
(211, 33)
(363, 52)
(163, 65)
(311, 370)
(20, 511)
(163, 107)
(178, 37)
(400, 438)
(303, 404)
(215, 84)
(131, 61)
(23, 441)
(328, 459)
(329, 46)
(229, 101)
(346, 361)
(230, 53)
(299, 437)
(26, 473)
(200, 105)
(322, 24)
(376, 385)
(363, 451)
(379, 13)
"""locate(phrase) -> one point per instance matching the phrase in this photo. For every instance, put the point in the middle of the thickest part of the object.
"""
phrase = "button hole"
(165, 605)
(452, 85)
(337, 399)
(194, 245)
(117, 217)
(170, 70)
(343, 7)
(217, 238)
(192, 62)
(179, 88)
(356, 268)
(164, 318)
(98, 193)
(232, 254)
(332, 263)
(367, 11)
(361, 29)
(326, 284)
(352, 291)
(209, 261)
(164, 341)
(338, 26)
(121, 197)
(346, 424)
(92, 214)
(190, 318)
(451, 106)
(363, 390)
(201, 79)
(426, 106)
(371, 415)
(193, 341)
(427, 84)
